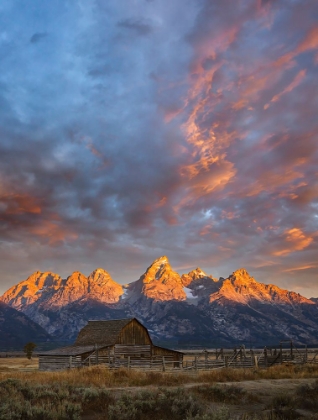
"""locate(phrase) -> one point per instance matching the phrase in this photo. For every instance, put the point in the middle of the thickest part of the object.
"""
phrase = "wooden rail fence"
(192, 362)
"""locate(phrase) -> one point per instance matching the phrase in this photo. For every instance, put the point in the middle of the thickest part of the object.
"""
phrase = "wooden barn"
(114, 343)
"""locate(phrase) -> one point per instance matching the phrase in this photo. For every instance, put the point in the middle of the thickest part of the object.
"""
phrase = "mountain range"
(178, 310)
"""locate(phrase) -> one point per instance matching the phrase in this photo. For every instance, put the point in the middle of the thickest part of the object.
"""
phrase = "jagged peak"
(242, 275)
(39, 278)
(155, 270)
(199, 272)
(100, 276)
(39, 273)
(76, 277)
(99, 271)
(161, 260)
(76, 273)
(241, 271)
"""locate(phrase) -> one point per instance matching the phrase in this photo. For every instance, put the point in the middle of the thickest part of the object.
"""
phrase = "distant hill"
(16, 329)
(190, 309)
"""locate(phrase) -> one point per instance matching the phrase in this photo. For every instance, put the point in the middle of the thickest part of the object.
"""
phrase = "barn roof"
(69, 351)
(102, 332)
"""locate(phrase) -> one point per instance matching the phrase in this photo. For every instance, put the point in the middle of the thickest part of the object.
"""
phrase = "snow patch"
(189, 293)
(124, 295)
(41, 290)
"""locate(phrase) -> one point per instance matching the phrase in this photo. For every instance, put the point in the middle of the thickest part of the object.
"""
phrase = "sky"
(186, 128)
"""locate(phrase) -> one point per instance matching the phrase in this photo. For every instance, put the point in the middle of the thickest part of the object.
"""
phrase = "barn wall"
(134, 352)
(134, 334)
(171, 354)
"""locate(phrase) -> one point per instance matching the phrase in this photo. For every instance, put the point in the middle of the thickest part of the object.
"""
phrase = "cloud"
(297, 80)
(37, 37)
(295, 240)
(125, 137)
(139, 26)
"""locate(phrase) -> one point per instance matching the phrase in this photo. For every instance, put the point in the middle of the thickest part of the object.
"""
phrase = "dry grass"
(8, 364)
(99, 376)
(99, 393)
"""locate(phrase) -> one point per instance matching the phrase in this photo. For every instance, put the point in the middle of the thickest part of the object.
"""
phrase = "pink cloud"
(294, 240)
(297, 80)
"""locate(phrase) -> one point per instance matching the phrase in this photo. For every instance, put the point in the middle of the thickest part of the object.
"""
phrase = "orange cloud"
(300, 268)
(270, 181)
(297, 80)
(170, 114)
(53, 232)
(156, 205)
(20, 204)
(310, 42)
(209, 169)
(206, 230)
(295, 240)
(258, 81)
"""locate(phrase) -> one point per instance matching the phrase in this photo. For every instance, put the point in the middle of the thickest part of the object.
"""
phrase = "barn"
(114, 343)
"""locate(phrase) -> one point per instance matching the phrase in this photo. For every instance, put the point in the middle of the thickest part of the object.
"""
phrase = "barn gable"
(117, 331)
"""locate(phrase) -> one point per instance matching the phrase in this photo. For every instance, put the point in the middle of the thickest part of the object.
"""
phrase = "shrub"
(161, 404)
(221, 413)
(307, 396)
(96, 399)
(20, 400)
(226, 394)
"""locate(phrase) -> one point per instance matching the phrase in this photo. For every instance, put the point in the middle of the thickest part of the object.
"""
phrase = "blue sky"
(186, 128)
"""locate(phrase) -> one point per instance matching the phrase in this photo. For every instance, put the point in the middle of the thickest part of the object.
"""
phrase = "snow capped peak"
(200, 272)
(161, 283)
(161, 260)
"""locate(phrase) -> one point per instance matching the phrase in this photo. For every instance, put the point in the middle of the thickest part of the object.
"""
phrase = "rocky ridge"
(16, 329)
(192, 308)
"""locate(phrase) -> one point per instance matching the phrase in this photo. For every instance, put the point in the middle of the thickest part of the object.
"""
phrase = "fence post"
(281, 352)
(163, 364)
(255, 362)
(96, 354)
(70, 362)
(128, 362)
(205, 359)
(108, 352)
(265, 356)
(291, 350)
(226, 359)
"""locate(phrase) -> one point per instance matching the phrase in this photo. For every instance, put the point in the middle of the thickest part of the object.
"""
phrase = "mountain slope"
(16, 329)
(159, 283)
(193, 308)
(52, 301)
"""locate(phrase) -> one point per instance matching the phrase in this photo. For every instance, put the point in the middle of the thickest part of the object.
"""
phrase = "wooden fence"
(192, 361)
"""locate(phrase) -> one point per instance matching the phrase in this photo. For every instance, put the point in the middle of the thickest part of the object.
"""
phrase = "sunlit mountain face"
(189, 309)
(180, 128)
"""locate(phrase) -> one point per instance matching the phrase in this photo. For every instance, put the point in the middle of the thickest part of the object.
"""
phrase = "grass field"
(281, 392)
